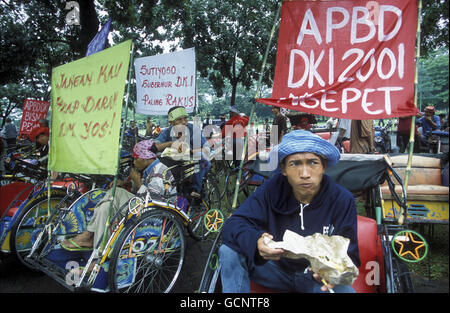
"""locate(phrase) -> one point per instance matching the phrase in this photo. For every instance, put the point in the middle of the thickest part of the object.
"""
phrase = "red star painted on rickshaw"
(411, 243)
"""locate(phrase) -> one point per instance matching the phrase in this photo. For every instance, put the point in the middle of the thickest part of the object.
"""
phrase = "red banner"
(347, 59)
(33, 111)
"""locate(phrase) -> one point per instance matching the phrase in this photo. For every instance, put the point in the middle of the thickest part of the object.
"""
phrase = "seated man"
(298, 197)
(40, 136)
(179, 132)
(150, 180)
(429, 122)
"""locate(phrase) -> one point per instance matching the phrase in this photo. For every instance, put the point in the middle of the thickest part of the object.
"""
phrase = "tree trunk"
(89, 24)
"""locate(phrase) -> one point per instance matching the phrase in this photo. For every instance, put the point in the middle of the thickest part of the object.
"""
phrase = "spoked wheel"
(210, 282)
(402, 277)
(230, 186)
(30, 222)
(206, 216)
(149, 254)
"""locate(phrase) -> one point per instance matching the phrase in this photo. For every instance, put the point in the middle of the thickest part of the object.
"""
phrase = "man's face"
(182, 120)
(304, 172)
(140, 164)
(275, 110)
(42, 139)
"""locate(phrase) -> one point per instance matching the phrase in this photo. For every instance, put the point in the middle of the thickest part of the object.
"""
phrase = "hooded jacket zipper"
(302, 206)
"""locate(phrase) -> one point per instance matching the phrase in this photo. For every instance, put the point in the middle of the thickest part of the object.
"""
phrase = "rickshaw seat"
(371, 256)
(425, 180)
(370, 250)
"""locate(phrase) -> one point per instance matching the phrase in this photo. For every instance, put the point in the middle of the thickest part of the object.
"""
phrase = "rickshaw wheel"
(210, 201)
(210, 282)
(31, 221)
(143, 261)
(402, 276)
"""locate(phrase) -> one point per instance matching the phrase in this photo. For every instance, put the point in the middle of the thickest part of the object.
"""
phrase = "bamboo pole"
(113, 193)
(258, 89)
(413, 119)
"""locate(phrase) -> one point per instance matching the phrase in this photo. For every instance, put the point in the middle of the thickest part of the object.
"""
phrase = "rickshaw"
(427, 192)
(25, 197)
(385, 247)
(144, 251)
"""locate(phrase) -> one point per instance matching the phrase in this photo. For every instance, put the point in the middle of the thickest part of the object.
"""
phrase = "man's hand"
(265, 251)
(326, 286)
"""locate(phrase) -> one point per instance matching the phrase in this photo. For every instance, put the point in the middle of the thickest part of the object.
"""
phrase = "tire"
(210, 282)
(402, 276)
(155, 263)
(30, 222)
(230, 185)
(211, 200)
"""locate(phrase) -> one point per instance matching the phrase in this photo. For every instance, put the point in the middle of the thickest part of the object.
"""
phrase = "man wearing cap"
(40, 136)
(429, 122)
(298, 197)
(180, 131)
(146, 175)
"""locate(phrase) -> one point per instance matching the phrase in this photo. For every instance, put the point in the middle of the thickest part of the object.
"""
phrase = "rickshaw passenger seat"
(371, 271)
(425, 180)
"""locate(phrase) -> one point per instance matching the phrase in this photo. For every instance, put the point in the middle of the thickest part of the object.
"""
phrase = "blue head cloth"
(304, 141)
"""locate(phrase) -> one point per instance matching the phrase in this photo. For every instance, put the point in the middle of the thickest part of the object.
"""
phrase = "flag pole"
(113, 192)
(413, 118)
(258, 88)
(100, 246)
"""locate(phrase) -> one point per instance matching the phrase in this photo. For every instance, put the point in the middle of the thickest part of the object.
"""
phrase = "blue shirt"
(273, 208)
(427, 127)
(191, 134)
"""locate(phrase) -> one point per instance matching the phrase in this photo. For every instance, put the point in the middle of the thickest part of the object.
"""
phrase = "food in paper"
(327, 255)
(180, 151)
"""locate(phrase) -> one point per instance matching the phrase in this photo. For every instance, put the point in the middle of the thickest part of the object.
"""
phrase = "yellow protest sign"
(87, 97)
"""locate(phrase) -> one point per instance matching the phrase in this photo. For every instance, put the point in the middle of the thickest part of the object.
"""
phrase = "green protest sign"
(87, 97)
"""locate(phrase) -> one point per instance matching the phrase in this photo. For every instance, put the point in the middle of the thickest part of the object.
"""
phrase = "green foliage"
(433, 80)
(230, 38)
(434, 26)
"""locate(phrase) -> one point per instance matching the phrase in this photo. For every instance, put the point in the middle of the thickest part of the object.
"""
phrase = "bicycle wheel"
(198, 212)
(230, 186)
(30, 222)
(148, 255)
(402, 276)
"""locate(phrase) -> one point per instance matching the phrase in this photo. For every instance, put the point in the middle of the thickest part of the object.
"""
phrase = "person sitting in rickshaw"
(298, 197)
(146, 176)
(178, 120)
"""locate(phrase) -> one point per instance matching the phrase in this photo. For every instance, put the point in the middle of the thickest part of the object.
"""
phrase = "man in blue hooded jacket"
(298, 197)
